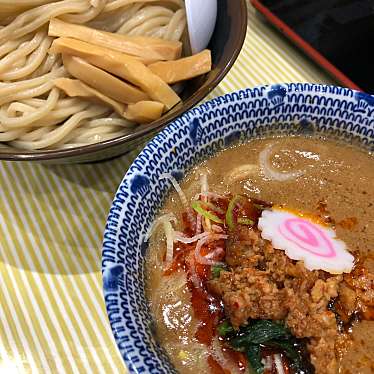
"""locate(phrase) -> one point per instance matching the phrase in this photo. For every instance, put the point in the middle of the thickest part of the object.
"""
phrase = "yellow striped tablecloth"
(52, 313)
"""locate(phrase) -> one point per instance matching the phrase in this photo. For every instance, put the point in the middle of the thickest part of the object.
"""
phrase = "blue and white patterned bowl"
(198, 134)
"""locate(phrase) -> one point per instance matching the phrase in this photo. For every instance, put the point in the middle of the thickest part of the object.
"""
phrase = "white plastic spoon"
(201, 19)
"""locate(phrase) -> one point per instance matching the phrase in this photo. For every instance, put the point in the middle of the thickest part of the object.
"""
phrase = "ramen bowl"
(283, 109)
(225, 46)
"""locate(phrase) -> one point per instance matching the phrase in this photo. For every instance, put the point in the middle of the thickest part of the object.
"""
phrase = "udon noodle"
(34, 114)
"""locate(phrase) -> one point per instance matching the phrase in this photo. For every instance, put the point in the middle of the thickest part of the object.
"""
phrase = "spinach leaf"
(254, 358)
(260, 332)
(267, 334)
(294, 351)
(289, 349)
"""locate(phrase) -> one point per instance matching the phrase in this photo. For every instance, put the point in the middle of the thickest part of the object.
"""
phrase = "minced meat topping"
(263, 283)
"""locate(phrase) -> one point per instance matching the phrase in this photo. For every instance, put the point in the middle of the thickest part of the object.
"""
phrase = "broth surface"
(336, 181)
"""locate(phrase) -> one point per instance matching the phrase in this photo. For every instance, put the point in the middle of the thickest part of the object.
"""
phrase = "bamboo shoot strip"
(184, 68)
(103, 81)
(142, 46)
(121, 65)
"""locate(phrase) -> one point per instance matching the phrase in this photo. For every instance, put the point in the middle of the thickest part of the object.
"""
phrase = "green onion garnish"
(230, 219)
(216, 270)
(198, 206)
(224, 328)
(245, 221)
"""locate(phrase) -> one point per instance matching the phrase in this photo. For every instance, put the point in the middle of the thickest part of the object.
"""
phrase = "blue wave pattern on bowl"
(198, 134)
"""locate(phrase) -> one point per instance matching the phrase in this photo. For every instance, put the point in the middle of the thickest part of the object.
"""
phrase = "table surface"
(52, 313)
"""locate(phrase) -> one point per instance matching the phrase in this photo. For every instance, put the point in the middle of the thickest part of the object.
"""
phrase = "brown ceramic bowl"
(226, 43)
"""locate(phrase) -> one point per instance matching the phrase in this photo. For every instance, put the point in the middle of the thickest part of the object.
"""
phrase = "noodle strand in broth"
(34, 114)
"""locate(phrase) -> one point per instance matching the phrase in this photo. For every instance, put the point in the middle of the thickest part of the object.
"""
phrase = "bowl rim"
(324, 90)
(195, 99)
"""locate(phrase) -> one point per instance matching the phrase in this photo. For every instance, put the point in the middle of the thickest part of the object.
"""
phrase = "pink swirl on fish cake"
(307, 236)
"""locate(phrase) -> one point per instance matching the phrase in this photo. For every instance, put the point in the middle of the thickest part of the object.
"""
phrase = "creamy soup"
(228, 296)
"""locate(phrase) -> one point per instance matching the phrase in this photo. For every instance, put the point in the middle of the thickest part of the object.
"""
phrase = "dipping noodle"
(76, 72)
